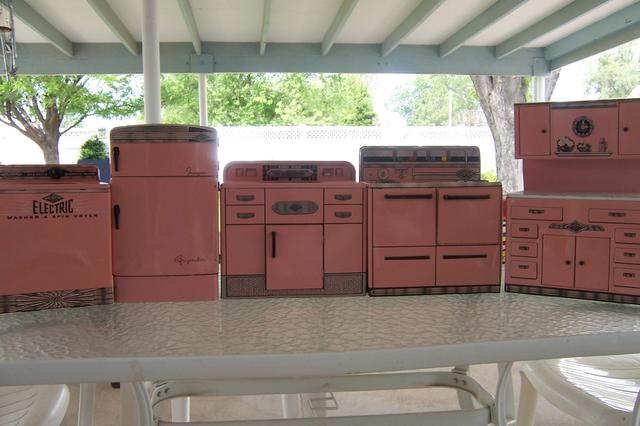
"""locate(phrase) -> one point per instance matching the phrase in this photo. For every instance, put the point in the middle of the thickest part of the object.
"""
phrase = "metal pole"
(539, 84)
(151, 61)
(202, 97)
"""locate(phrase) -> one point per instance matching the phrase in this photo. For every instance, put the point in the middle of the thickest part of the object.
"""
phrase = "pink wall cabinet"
(292, 229)
(164, 213)
(574, 246)
(433, 227)
(54, 225)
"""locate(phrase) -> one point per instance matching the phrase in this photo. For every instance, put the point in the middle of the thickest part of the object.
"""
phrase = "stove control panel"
(289, 171)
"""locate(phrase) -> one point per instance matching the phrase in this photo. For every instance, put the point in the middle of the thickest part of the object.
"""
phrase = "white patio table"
(306, 337)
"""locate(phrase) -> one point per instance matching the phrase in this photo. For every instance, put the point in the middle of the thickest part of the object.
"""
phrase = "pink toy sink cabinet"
(164, 210)
(577, 234)
(54, 223)
(292, 229)
(433, 226)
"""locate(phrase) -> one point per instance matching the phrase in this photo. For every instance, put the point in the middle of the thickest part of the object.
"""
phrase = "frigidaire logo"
(53, 204)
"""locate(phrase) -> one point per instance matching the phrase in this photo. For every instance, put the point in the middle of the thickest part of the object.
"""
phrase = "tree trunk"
(49, 146)
(497, 95)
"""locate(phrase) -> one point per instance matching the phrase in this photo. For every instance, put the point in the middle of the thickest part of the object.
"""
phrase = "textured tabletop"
(266, 337)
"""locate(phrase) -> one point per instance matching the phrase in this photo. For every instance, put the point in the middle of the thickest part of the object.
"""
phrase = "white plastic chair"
(33, 405)
(597, 390)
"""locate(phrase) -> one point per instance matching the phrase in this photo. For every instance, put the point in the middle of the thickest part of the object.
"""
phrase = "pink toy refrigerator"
(164, 213)
(54, 227)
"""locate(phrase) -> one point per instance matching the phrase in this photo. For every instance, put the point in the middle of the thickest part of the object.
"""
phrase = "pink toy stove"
(574, 231)
(54, 222)
(433, 226)
(292, 229)
(164, 207)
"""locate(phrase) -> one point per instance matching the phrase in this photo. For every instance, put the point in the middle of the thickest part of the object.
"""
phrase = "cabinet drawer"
(536, 213)
(626, 277)
(404, 267)
(523, 248)
(614, 215)
(468, 265)
(239, 215)
(524, 269)
(343, 196)
(628, 236)
(627, 255)
(244, 196)
(343, 214)
(524, 230)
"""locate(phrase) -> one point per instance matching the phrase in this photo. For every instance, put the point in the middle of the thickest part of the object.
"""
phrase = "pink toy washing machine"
(54, 223)
(292, 229)
(164, 213)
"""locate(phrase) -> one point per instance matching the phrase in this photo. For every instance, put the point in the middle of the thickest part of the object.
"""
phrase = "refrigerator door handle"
(116, 215)
(273, 244)
(116, 157)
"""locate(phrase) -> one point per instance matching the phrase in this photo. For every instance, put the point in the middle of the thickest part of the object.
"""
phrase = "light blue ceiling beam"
(36, 22)
(345, 11)
(610, 41)
(109, 17)
(110, 58)
(490, 15)
(192, 27)
(266, 23)
(562, 17)
(603, 28)
(410, 23)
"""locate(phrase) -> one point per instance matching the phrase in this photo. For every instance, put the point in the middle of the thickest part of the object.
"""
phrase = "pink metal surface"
(468, 265)
(629, 131)
(523, 248)
(592, 263)
(245, 250)
(294, 256)
(244, 215)
(590, 124)
(163, 288)
(469, 215)
(343, 213)
(627, 254)
(343, 250)
(558, 258)
(404, 267)
(532, 130)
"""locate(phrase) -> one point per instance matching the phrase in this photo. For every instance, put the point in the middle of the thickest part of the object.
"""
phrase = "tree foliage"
(269, 99)
(93, 149)
(425, 101)
(616, 73)
(43, 108)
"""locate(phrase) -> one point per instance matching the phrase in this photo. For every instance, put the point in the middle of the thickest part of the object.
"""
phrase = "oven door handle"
(116, 215)
(273, 244)
(464, 256)
(408, 197)
(453, 197)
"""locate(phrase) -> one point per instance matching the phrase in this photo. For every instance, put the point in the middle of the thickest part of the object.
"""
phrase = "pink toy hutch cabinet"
(54, 221)
(164, 213)
(575, 230)
(292, 229)
(433, 226)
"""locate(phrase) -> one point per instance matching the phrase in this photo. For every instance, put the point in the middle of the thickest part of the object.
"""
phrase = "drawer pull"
(464, 256)
(467, 197)
(629, 254)
(245, 197)
(343, 215)
(524, 248)
(617, 214)
(245, 215)
(273, 244)
(628, 275)
(408, 197)
(536, 211)
(343, 197)
(630, 234)
(407, 257)
(523, 266)
(524, 229)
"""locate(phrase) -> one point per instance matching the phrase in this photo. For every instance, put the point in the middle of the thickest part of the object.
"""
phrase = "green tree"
(93, 149)
(269, 99)
(617, 72)
(44, 108)
(425, 101)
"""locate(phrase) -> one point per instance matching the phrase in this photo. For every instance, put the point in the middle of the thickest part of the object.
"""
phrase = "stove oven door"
(469, 215)
(404, 217)
(294, 257)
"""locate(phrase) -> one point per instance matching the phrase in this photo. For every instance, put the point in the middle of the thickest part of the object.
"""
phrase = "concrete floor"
(107, 409)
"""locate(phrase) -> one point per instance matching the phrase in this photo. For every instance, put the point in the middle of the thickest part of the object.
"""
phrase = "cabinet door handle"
(464, 256)
(581, 263)
(116, 158)
(625, 129)
(536, 211)
(342, 197)
(407, 257)
(116, 215)
(245, 215)
(273, 244)
(408, 197)
(630, 234)
(617, 214)
(342, 215)
(628, 275)
(543, 131)
(629, 254)
(467, 197)
(245, 197)
(523, 266)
